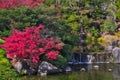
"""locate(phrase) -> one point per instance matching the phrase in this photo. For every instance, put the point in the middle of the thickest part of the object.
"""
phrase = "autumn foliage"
(7, 4)
(29, 44)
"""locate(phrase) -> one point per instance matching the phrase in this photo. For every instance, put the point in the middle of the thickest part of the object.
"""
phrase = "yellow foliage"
(93, 40)
(76, 49)
(117, 34)
(106, 40)
(3, 61)
(102, 41)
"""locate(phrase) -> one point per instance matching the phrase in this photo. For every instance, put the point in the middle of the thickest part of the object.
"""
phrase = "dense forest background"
(78, 23)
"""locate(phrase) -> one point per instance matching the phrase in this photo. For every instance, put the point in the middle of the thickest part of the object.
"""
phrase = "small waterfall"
(82, 58)
(72, 57)
(89, 58)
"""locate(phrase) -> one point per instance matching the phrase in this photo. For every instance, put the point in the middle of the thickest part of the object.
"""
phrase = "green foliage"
(3, 59)
(80, 3)
(71, 21)
(59, 62)
(65, 23)
(98, 14)
(117, 3)
(16, 17)
(23, 17)
(66, 51)
(5, 33)
(75, 21)
(95, 48)
(94, 31)
(118, 9)
(108, 26)
(118, 14)
(85, 20)
(67, 48)
(70, 39)
(6, 71)
(59, 2)
(50, 2)
(73, 17)
(1, 41)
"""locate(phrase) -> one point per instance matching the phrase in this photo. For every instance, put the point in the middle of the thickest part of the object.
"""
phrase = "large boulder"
(116, 54)
(48, 68)
(24, 68)
(109, 49)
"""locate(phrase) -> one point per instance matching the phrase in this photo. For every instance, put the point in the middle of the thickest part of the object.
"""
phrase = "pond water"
(85, 72)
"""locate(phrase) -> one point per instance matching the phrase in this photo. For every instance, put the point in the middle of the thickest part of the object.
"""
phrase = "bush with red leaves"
(7, 4)
(28, 44)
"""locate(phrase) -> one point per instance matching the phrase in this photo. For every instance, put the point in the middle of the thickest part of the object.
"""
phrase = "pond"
(85, 72)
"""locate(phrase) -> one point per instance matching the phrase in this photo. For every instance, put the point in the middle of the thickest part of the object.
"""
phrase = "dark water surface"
(85, 72)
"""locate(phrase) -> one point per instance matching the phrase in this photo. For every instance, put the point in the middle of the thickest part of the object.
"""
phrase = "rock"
(31, 71)
(116, 54)
(18, 66)
(115, 43)
(90, 58)
(82, 69)
(48, 68)
(67, 69)
(23, 68)
(109, 70)
(96, 67)
(43, 73)
(109, 49)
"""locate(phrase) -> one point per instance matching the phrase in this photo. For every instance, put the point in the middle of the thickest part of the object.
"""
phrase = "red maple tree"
(8, 4)
(28, 44)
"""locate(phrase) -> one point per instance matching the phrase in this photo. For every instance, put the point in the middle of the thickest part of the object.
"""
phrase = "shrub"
(1, 41)
(23, 17)
(30, 44)
(7, 4)
(5, 33)
(108, 26)
(6, 71)
(60, 62)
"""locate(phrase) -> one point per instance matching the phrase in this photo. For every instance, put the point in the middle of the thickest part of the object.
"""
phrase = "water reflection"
(116, 71)
(102, 72)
